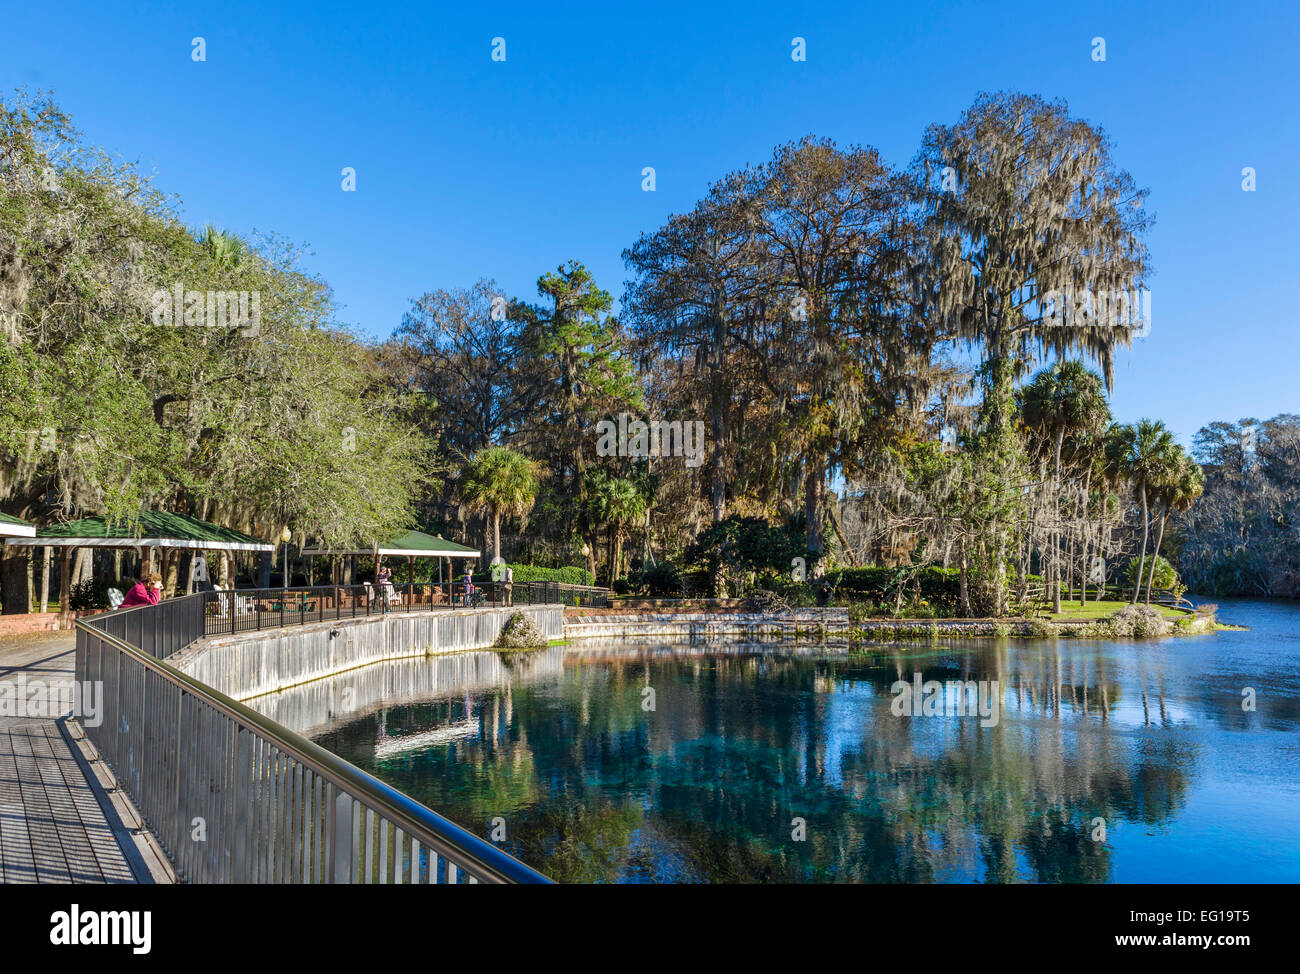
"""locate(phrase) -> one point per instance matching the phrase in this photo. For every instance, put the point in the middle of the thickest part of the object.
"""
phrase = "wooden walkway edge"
(62, 818)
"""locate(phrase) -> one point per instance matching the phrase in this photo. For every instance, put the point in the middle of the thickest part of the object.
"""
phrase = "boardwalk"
(58, 821)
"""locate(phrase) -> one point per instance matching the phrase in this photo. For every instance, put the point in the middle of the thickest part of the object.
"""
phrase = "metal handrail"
(248, 609)
(359, 792)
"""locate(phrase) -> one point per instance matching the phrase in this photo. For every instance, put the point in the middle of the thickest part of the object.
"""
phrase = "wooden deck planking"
(53, 827)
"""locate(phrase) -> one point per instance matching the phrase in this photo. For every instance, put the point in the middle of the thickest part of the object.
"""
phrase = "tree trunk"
(716, 404)
(1160, 533)
(1056, 523)
(813, 492)
(496, 534)
(1085, 567)
(81, 567)
(65, 589)
(171, 572)
(1137, 582)
(964, 583)
(45, 578)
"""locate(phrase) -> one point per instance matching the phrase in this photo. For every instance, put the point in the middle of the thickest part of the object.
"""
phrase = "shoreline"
(822, 622)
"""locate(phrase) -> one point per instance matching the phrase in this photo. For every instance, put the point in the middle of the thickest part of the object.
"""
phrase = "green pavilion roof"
(150, 529)
(408, 544)
(11, 526)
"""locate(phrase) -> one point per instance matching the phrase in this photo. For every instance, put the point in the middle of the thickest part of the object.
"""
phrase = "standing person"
(469, 584)
(510, 587)
(385, 581)
(147, 591)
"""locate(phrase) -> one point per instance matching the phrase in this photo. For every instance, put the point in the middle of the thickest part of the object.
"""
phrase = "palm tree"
(617, 503)
(224, 249)
(1064, 400)
(502, 482)
(1177, 490)
(1144, 452)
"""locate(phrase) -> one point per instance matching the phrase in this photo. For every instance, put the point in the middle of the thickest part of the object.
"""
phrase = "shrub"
(520, 632)
(939, 588)
(1140, 621)
(1040, 629)
(1165, 577)
(93, 594)
(569, 575)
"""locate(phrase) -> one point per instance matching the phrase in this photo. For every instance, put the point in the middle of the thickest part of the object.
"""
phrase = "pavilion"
(147, 533)
(15, 527)
(409, 545)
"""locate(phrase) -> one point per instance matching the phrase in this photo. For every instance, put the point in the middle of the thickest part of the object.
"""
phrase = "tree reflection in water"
(706, 787)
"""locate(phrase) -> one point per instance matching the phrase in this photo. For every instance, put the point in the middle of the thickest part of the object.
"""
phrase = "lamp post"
(586, 553)
(285, 536)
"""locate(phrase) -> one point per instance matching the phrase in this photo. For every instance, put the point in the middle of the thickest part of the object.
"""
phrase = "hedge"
(569, 575)
(939, 586)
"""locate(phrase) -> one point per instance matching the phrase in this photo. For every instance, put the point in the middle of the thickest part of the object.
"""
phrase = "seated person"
(147, 591)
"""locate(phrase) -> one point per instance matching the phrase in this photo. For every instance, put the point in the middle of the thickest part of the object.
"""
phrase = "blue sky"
(470, 168)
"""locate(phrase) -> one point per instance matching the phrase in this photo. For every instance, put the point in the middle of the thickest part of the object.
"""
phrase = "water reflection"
(743, 741)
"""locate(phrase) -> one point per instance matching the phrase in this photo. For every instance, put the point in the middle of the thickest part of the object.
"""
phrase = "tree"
(693, 298)
(835, 292)
(1144, 455)
(459, 350)
(617, 503)
(502, 482)
(256, 422)
(1180, 483)
(1063, 400)
(578, 369)
(1024, 208)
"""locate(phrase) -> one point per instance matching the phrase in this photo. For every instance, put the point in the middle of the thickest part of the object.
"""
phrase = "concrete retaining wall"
(324, 705)
(704, 624)
(252, 663)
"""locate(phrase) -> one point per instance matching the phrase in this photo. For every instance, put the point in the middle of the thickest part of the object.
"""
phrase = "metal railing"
(234, 797)
(245, 610)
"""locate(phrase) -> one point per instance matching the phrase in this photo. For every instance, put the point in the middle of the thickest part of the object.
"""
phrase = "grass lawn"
(1100, 610)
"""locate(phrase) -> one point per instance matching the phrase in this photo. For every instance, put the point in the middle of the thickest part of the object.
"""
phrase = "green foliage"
(745, 545)
(110, 402)
(93, 593)
(939, 587)
(569, 575)
(1165, 577)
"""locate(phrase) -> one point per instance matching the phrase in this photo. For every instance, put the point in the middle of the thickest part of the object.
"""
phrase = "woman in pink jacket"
(147, 591)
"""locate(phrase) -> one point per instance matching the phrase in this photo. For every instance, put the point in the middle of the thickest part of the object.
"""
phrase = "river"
(1095, 761)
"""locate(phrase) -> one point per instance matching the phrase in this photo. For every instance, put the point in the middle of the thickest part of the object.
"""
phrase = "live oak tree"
(112, 401)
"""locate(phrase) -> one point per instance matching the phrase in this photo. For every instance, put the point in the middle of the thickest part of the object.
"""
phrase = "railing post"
(342, 845)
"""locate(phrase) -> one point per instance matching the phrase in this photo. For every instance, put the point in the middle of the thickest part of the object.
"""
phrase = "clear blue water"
(743, 741)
